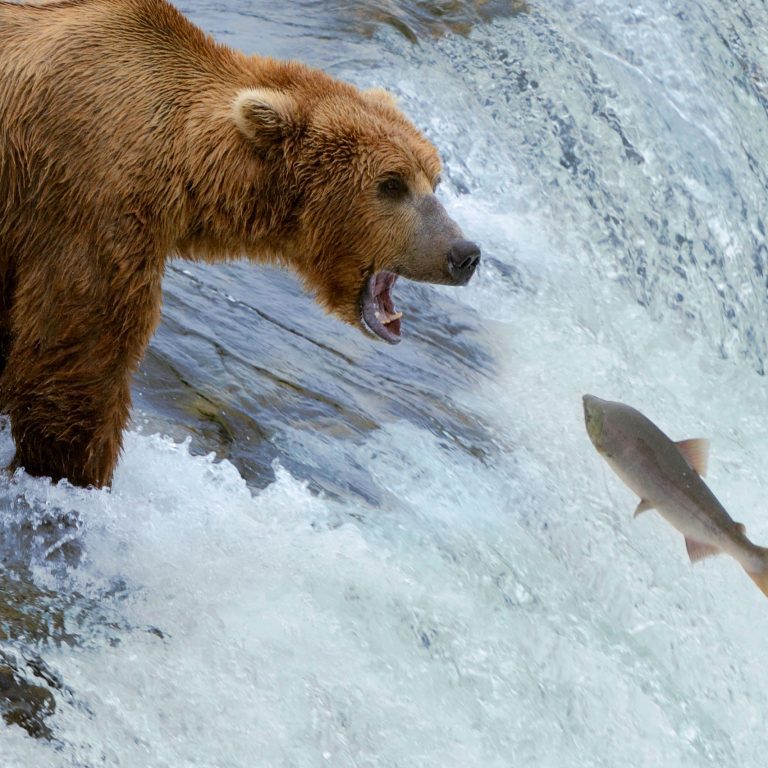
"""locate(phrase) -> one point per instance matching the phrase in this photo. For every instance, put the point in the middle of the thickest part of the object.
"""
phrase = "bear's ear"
(264, 115)
(380, 97)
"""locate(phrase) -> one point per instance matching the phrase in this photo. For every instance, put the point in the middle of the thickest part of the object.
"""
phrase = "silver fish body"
(664, 475)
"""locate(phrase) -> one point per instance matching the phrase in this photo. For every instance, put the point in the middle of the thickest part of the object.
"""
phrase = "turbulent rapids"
(325, 550)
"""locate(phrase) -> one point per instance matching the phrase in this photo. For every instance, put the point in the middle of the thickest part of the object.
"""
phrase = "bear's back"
(112, 76)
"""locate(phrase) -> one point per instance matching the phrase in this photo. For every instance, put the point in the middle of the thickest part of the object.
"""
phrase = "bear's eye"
(393, 187)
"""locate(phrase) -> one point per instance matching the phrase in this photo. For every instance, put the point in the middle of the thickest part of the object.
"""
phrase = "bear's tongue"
(379, 309)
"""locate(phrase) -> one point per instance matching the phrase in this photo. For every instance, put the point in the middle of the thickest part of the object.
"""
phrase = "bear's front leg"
(82, 448)
(66, 385)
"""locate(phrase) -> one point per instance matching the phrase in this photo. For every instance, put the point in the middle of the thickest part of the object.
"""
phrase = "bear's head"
(361, 183)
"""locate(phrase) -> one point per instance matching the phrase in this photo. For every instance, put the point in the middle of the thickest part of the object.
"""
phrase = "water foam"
(495, 609)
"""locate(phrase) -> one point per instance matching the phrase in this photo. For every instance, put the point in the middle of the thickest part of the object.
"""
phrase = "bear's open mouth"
(378, 309)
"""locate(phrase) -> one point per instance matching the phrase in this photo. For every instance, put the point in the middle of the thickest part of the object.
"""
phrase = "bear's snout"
(463, 258)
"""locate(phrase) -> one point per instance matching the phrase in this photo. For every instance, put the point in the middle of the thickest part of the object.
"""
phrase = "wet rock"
(24, 703)
(30, 614)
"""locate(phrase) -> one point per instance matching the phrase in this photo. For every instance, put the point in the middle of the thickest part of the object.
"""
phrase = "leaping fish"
(667, 477)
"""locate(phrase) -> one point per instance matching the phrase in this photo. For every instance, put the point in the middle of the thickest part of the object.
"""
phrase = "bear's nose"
(463, 258)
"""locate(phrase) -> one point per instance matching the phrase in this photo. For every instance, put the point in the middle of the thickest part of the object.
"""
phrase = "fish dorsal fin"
(643, 506)
(696, 453)
(697, 550)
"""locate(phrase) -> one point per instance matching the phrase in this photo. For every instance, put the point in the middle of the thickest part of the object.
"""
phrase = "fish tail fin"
(761, 579)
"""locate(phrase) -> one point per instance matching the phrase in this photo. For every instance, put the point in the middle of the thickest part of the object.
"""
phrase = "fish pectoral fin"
(698, 550)
(643, 506)
(696, 453)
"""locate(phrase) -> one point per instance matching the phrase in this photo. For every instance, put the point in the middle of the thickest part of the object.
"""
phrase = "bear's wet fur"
(128, 136)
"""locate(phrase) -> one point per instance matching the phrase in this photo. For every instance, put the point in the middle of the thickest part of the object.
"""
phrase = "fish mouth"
(377, 309)
(593, 418)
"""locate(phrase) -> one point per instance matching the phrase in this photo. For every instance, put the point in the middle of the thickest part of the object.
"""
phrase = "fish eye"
(393, 187)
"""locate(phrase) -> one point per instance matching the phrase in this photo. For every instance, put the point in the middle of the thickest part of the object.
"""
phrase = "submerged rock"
(417, 18)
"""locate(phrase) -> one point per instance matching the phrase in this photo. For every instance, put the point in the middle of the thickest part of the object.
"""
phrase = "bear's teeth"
(385, 318)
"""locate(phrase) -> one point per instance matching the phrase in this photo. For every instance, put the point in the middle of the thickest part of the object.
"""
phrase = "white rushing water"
(501, 609)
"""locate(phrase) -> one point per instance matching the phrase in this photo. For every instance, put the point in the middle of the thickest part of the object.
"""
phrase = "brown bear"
(128, 136)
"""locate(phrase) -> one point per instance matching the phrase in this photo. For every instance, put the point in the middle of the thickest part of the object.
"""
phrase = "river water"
(320, 550)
